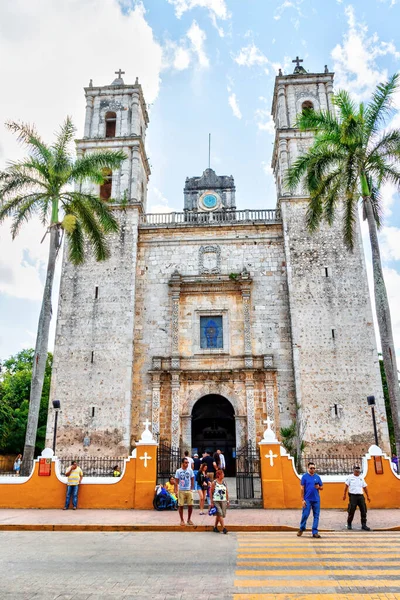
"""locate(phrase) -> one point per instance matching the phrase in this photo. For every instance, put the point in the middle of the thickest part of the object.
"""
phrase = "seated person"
(170, 486)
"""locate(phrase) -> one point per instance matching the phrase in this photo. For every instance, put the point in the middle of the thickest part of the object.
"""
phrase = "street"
(183, 565)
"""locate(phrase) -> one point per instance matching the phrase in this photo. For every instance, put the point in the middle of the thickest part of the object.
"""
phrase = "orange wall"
(135, 489)
(281, 484)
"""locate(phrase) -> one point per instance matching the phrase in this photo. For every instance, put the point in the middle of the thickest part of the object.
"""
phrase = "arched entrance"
(213, 428)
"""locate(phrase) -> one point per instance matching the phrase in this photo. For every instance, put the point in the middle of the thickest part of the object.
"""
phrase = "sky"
(206, 66)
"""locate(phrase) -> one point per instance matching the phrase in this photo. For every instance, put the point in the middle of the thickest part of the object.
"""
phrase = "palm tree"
(351, 158)
(41, 185)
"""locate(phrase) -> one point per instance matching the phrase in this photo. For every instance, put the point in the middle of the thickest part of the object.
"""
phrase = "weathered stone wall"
(259, 249)
(92, 369)
(334, 347)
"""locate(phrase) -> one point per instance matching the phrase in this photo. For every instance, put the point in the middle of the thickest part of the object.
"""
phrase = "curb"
(195, 528)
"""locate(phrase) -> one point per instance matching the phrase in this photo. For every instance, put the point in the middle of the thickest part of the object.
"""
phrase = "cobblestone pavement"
(116, 566)
(350, 566)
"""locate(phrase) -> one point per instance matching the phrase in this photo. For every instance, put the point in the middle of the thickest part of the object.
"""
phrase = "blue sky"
(206, 66)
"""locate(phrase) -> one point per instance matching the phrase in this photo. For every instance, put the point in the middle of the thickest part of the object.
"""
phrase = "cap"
(356, 468)
(196, 455)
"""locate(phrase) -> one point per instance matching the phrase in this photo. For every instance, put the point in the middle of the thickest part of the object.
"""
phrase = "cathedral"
(209, 320)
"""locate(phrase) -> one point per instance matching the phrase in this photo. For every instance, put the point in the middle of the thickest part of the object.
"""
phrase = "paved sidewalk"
(152, 520)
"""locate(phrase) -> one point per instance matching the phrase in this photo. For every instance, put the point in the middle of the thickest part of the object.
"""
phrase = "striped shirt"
(75, 476)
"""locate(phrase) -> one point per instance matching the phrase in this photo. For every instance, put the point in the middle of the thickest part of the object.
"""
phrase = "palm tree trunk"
(385, 324)
(40, 357)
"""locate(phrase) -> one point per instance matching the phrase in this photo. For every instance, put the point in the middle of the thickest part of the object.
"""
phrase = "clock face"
(210, 200)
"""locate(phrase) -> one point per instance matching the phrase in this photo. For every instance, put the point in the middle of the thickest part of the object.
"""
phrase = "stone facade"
(294, 310)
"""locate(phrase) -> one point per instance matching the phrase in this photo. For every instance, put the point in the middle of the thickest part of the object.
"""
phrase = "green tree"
(387, 405)
(352, 156)
(14, 402)
(41, 184)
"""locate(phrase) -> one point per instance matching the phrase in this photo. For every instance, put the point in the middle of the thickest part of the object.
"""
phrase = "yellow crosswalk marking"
(337, 567)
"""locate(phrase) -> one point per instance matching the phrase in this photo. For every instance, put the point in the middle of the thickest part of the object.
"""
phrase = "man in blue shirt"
(311, 484)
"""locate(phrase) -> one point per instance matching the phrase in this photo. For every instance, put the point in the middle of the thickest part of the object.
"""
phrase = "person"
(220, 499)
(170, 486)
(116, 471)
(222, 462)
(75, 475)
(17, 465)
(208, 460)
(395, 462)
(311, 485)
(196, 467)
(216, 462)
(203, 483)
(184, 483)
(356, 486)
(190, 459)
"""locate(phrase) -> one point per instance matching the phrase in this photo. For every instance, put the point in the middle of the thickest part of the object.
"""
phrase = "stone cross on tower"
(147, 424)
(119, 73)
(298, 68)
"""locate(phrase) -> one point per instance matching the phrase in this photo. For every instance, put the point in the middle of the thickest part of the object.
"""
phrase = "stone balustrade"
(233, 217)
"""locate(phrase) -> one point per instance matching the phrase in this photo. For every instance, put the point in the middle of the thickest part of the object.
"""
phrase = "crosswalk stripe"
(296, 596)
(301, 583)
(311, 563)
(315, 572)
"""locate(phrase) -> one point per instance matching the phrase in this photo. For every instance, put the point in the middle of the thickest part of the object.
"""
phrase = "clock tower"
(210, 192)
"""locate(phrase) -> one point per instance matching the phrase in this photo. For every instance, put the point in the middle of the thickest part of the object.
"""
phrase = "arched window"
(111, 121)
(307, 105)
(106, 187)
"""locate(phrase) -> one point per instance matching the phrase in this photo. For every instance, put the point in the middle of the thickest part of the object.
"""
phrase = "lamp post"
(371, 403)
(56, 406)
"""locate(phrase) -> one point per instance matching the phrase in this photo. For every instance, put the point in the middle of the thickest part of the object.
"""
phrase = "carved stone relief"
(209, 260)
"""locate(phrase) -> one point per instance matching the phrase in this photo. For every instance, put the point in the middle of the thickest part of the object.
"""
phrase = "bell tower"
(334, 352)
(117, 119)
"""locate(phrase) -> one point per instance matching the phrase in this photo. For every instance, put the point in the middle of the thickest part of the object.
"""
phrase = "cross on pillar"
(119, 73)
(268, 422)
(297, 60)
(147, 424)
(146, 457)
(271, 457)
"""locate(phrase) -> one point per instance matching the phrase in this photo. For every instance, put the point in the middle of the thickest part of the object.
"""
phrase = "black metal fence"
(331, 465)
(248, 472)
(93, 466)
(168, 461)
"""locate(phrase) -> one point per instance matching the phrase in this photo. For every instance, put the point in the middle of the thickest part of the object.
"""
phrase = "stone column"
(175, 294)
(284, 165)
(240, 431)
(88, 116)
(251, 413)
(122, 177)
(329, 93)
(283, 121)
(270, 401)
(248, 358)
(186, 421)
(175, 404)
(155, 405)
(135, 121)
(322, 97)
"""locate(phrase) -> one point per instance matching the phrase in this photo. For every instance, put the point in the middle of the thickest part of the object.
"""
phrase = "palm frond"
(26, 210)
(27, 134)
(62, 158)
(12, 206)
(76, 244)
(387, 146)
(350, 218)
(381, 105)
(91, 228)
(317, 120)
(346, 106)
(90, 166)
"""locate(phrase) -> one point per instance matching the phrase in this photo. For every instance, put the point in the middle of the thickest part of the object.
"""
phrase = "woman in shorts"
(220, 499)
(202, 483)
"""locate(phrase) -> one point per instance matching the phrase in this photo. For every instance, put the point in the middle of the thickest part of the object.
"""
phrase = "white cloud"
(355, 58)
(389, 242)
(264, 118)
(289, 4)
(197, 38)
(250, 55)
(23, 261)
(233, 103)
(158, 203)
(217, 10)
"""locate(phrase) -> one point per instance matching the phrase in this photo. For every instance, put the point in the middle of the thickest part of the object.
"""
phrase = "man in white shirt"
(355, 485)
(222, 463)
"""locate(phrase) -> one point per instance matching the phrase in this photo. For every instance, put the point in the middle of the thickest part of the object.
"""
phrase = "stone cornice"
(209, 283)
